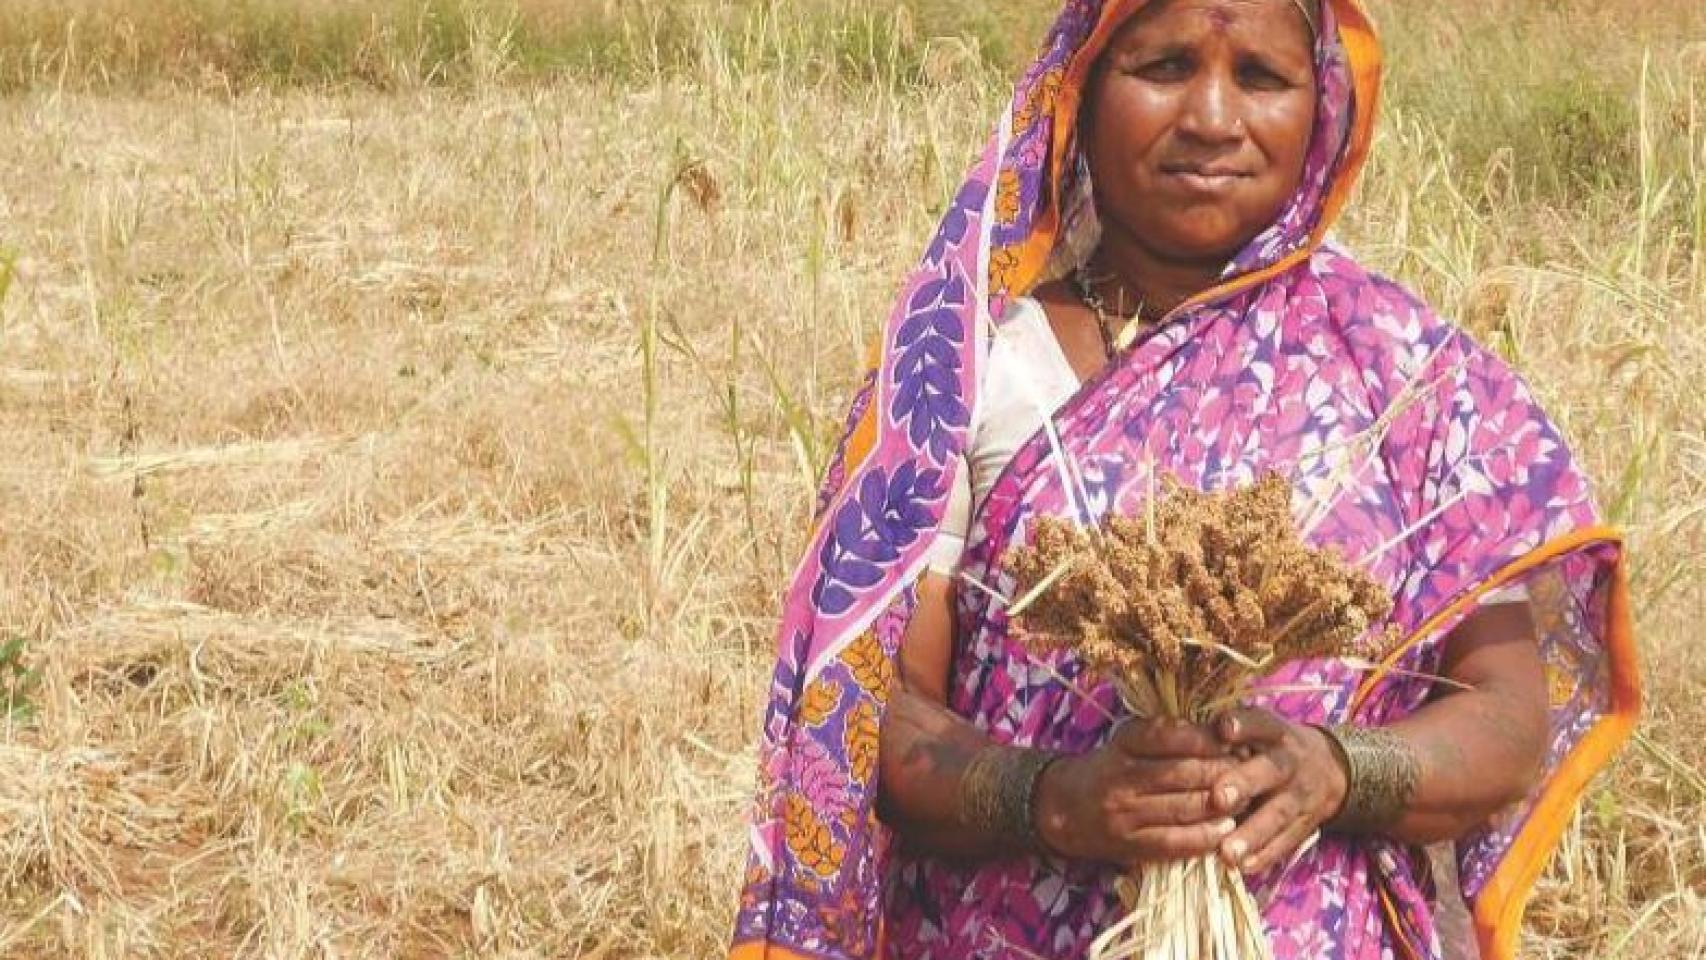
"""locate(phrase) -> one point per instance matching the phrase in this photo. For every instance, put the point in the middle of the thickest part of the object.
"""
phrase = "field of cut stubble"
(408, 415)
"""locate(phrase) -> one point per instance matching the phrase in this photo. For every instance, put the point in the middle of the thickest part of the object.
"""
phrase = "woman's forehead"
(1160, 20)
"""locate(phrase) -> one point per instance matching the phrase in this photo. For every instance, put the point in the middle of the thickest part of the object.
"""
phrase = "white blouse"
(1026, 378)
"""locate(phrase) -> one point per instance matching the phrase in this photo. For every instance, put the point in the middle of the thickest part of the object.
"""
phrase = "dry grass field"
(408, 415)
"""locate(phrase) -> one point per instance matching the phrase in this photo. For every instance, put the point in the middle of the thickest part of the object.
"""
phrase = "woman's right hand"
(1142, 797)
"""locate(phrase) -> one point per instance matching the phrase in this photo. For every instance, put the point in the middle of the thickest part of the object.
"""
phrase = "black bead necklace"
(1087, 293)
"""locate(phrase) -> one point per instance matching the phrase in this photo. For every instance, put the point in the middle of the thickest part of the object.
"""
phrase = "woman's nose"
(1211, 110)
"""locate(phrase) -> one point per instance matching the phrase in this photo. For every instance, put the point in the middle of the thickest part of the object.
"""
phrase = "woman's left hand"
(1291, 782)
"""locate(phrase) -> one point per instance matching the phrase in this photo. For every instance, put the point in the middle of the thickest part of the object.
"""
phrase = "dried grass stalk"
(1183, 609)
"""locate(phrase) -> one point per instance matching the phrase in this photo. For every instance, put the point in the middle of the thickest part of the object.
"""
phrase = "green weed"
(19, 681)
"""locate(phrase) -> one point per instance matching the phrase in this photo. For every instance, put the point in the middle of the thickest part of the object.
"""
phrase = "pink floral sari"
(1412, 449)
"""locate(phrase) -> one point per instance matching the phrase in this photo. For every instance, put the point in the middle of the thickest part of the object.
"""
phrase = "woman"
(1133, 282)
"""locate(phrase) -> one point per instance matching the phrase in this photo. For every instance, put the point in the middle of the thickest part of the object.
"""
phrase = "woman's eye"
(1254, 76)
(1167, 68)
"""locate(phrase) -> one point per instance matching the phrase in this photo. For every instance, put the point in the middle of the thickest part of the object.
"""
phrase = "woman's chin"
(1216, 246)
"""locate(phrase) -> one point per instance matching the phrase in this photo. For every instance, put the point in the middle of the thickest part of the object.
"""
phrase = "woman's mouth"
(1207, 179)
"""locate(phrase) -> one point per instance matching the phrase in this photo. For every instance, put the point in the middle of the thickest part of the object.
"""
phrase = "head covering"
(1412, 449)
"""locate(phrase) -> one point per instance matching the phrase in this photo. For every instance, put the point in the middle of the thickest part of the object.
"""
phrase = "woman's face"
(1198, 120)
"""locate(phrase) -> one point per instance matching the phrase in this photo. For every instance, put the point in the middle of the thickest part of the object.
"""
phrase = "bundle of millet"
(1188, 603)
(1183, 608)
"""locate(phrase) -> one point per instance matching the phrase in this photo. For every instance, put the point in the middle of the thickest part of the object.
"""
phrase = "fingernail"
(1229, 796)
(1249, 865)
(1235, 849)
(1225, 827)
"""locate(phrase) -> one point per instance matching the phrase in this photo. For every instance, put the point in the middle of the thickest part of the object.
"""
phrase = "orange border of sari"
(759, 950)
(1500, 905)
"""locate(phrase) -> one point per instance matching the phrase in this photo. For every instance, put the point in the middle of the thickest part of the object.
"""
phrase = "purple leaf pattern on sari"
(871, 530)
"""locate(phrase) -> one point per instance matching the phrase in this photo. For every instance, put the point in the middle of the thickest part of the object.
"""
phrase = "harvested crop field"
(408, 419)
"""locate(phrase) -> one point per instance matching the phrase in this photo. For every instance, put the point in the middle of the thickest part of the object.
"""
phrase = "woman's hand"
(1143, 797)
(1291, 782)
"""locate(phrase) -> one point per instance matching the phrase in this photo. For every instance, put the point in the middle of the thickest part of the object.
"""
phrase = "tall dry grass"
(398, 468)
(124, 45)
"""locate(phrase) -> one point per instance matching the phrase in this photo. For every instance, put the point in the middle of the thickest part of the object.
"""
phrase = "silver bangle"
(1381, 776)
(998, 793)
